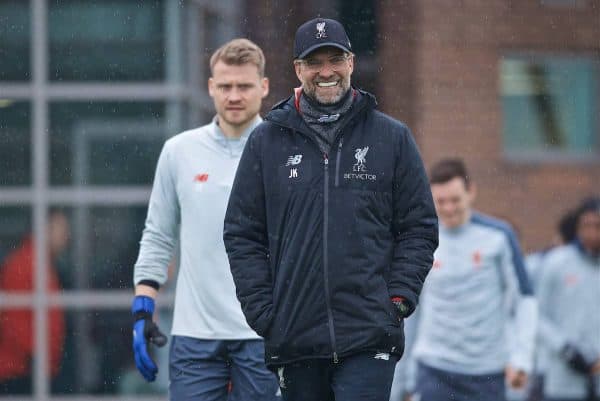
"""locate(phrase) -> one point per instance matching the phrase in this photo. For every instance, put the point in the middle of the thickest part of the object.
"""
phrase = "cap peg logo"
(321, 30)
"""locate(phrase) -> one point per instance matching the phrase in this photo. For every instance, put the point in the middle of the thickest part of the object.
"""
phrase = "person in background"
(565, 233)
(212, 346)
(16, 325)
(534, 262)
(330, 229)
(569, 297)
(478, 282)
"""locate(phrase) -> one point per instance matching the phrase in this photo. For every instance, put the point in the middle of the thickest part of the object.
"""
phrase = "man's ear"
(472, 192)
(265, 87)
(211, 87)
(297, 67)
(351, 63)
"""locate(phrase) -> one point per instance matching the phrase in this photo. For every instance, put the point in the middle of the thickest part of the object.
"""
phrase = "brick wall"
(452, 87)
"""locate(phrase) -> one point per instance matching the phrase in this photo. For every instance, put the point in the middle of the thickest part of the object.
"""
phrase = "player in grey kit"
(212, 344)
(462, 351)
(569, 296)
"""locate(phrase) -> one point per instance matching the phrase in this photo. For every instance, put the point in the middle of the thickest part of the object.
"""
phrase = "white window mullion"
(39, 35)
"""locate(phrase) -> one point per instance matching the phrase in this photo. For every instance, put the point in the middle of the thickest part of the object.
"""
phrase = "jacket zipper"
(325, 257)
(326, 225)
(337, 163)
(325, 232)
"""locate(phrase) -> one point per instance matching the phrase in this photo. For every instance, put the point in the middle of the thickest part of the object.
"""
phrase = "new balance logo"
(281, 378)
(201, 177)
(293, 173)
(294, 160)
(382, 355)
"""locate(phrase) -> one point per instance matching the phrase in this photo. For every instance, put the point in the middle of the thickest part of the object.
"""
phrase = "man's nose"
(326, 71)
(234, 95)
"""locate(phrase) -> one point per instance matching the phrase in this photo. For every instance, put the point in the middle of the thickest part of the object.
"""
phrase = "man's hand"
(596, 367)
(145, 331)
(516, 378)
(401, 307)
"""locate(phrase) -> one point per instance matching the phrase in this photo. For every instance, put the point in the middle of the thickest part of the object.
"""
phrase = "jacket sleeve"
(246, 239)
(522, 303)
(414, 225)
(550, 333)
(160, 231)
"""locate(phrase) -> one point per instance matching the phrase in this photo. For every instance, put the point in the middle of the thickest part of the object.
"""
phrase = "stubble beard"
(312, 91)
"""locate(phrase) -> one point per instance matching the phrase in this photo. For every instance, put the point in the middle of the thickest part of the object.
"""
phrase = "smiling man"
(330, 230)
(477, 283)
(212, 345)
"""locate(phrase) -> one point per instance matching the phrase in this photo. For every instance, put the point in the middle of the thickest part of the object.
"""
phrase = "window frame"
(539, 156)
(40, 91)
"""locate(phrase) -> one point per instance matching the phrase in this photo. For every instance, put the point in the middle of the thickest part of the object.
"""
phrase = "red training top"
(16, 325)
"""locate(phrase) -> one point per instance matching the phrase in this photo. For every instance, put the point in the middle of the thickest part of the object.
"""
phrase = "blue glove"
(145, 331)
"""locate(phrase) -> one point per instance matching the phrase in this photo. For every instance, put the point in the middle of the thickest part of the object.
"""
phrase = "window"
(106, 143)
(359, 17)
(15, 46)
(564, 3)
(98, 358)
(16, 226)
(115, 79)
(550, 107)
(106, 40)
(15, 143)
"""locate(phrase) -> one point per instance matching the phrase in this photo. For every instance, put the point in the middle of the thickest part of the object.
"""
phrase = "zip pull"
(325, 159)
(335, 358)
(337, 162)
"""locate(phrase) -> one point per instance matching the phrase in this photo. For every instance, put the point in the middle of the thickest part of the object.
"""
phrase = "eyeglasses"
(335, 62)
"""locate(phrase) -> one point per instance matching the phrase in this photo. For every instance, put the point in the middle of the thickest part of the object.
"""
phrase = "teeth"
(327, 84)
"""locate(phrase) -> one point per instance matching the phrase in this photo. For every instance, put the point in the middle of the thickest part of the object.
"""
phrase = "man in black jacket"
(330, 230)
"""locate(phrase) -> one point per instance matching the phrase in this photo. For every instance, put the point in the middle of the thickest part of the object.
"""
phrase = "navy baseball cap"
(320, 32)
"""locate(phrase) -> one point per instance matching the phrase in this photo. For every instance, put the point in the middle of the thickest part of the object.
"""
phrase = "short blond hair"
(239, 52)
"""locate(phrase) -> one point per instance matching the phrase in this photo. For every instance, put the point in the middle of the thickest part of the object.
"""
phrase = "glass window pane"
(15, 227)
(100, 40)
(15, 143)
(99, 360)
(104, 247)
(16, 270)
(359, 19)
(550, 105)
(15, 46)
(564, 3)
(108, 143)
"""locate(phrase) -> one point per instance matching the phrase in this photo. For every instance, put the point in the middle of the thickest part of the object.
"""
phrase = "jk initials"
(293, 173)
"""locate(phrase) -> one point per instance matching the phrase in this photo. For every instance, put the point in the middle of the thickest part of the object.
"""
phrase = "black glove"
(576, 359)
(401, 306)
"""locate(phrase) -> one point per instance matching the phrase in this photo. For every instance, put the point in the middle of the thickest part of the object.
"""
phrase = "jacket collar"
(286, 113)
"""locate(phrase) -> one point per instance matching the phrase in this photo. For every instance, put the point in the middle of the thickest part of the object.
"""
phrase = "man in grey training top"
(212, 345)
(477, 286)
